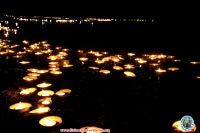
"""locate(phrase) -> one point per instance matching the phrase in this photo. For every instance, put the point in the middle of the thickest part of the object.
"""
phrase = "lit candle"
(131, 54)
(194, 62)
(29, 78)
(33, 70)
(42, 71)
(129, 74)
(24, 62)
(45, 101)
(117, 68)
(173, 68)
(45, 93)
(56, 72)
(50, 121)
(27, 91)
(129, 66)
(104, 71)
(93, 67)
(20, 106)
(63, 92)
(40, 110)
(159, 70)
(43, 85)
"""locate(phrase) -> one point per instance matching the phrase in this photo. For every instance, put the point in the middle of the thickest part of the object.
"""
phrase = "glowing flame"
(45, 101)
(27, 91)
(44, 85)
(129, 74)
(20, 106)
(40, 110)
(45, 93)
(63, 92)
(50, 121)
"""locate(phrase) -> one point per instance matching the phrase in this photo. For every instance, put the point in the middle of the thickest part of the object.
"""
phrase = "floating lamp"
(159, 70)
(56, 72)
(40, 110)
(104, 71)
(20, 106)
(45, 93)
(50, 121)
(129, 74)
(27, 91)
(29, 78)
(173, 68)
(63, 92)
(43, 85)
(45, 101)
(117, 68)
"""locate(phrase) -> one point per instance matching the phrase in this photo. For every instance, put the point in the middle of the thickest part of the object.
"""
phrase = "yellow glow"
(52, 57)
(159, 70)
(54, 69)
(34, 74)
(27, 91)
(20, 106)
(56, 72)
(29, 78)
(117, 68)
(173, 68)
(42, 71)
(45, 93)
(94, 68)
(194, 62)
(43, 85)
(45, 101)
(50, 121)
(131, 54)
(105, 71)
(24, 62)
(40, 110)
(99, 61)
(129, 66)
(83, 58)
(53, 63)
(33, 70)
(63, 92)
(129, 74)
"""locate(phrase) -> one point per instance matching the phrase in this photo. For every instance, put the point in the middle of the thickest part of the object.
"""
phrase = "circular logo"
(187, 123)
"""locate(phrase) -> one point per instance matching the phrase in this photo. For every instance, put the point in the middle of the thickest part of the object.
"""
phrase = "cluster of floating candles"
(57, 60)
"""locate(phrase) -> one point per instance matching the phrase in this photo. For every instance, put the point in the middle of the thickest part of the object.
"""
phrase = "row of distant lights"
(68, 20)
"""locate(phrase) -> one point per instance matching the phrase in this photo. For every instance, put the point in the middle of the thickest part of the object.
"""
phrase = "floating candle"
(129, 74)
(20, 106)
(117, 68)
(173, 68)
(29, 78)
(43, 85)
(27, 91)
(24, 62)
(159, 70)
(45, 93)
(104, 71)
(40, 110)
(63, 92)
(45, 101)
(42, 71)
(56, 72)
(50, 121)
